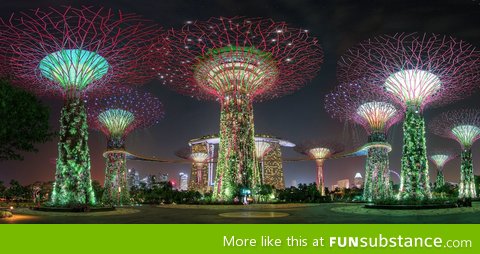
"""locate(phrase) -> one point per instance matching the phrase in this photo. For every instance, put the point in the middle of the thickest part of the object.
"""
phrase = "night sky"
(301, 116)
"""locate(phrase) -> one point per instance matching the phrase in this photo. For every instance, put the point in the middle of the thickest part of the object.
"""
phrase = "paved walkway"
(300, 214)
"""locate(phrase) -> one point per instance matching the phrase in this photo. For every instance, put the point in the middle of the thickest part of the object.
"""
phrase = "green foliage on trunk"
(237, 165)
(377, 175)
(73, 184)
(440, 180)
(414, 176)
(467, 180)
(115, 188)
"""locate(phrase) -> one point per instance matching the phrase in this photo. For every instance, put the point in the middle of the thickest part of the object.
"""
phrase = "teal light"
(116, 120)
(73, 68)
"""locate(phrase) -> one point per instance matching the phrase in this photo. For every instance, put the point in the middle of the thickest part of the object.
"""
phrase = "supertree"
(319, 150)
(199, 159)
(362, 105)
(117, 116)
(238, 61)
(440, 158)
(462, 125)
(70, 52)
(262, 147)
(416, 70)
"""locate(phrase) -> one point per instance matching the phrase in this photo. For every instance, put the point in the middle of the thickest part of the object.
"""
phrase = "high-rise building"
(133, 178)
(343, 184)
(358, 180)
(273, 167)
(183, 181)
(149, 180)
(163, 177)
(272, 162)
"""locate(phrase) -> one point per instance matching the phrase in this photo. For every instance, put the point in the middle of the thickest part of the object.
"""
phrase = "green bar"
(210, 238)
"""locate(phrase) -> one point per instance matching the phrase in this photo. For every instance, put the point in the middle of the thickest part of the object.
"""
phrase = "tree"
(97, 188)
(24, 122)
(264, 192)
(477, 183)
(17, 192)
(2, 190)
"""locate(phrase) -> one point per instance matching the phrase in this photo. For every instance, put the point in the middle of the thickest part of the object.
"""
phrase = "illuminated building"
(163, 177)
(272, 161)
(133, 178)
(358, 180)
(149, 181)
(183, 181)
(343, 184)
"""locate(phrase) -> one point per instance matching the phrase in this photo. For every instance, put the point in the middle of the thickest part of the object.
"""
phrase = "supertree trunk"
(381, 173)
(199, 178)
(414, 176)
(115, 186)
(237, 165)
(73, 185)
(319, 178)
(467, 182)
(261, 170)
(440, 180)
(368, 185)
(377, 177)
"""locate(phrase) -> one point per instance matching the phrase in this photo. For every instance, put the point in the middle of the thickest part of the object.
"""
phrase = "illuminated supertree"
(238, 61)
(463, 126)
(262, 147)
(70, 52)
(116, 116)
(416, 70)
(319, 151)
(199, 160)
(440, 159)
(362, 105)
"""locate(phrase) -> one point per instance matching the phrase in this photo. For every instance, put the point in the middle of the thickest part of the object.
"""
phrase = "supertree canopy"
(416, 70)
(262, 148)
(237, 61)
(440, 159)
(319, 151)
(362, 105)
(116, 116)
(463, 126)
(70, 52)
